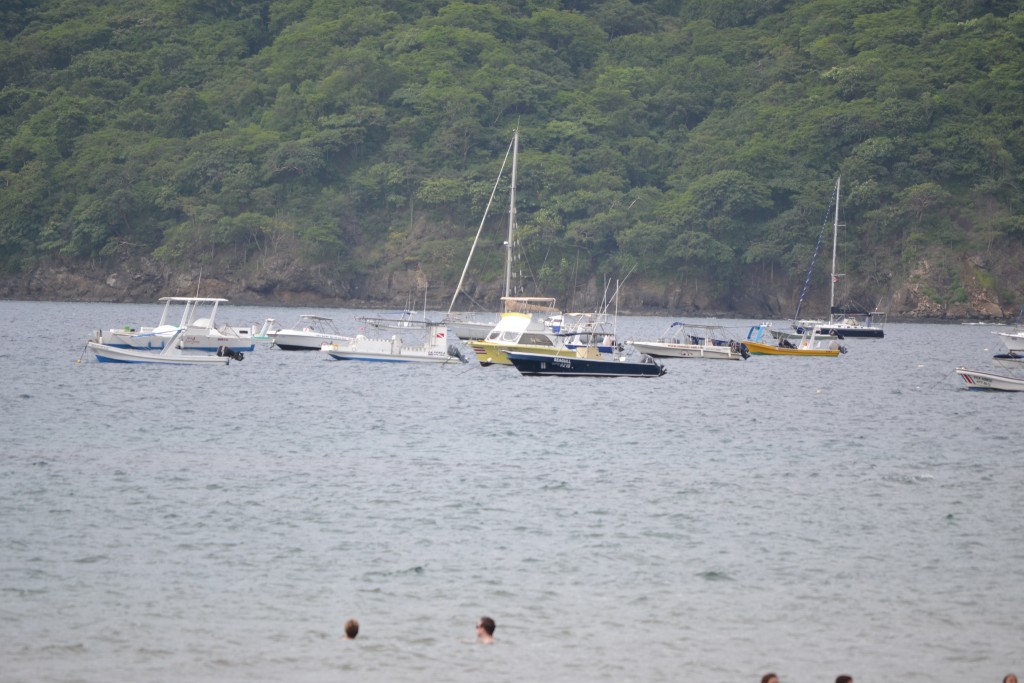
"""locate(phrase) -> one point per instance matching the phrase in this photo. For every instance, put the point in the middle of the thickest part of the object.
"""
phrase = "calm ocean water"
(807, 516)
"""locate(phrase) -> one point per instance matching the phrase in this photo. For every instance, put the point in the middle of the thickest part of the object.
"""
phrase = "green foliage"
(696, 138)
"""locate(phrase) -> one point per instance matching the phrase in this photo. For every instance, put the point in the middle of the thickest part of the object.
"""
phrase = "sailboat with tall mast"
(844, 321)
(469, 328)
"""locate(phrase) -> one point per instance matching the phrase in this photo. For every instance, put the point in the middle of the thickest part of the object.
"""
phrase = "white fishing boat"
(309, 334)
(200, 331)
(395, 349)
(844, 321)
(1014, 338)
(172, 353)
(708, 342)
(979, 379)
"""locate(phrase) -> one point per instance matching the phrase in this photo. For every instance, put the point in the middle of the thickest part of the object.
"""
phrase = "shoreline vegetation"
(57, 284)
(306, 152)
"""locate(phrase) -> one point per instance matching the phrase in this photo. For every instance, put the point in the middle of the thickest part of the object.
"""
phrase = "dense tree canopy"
(696, 138)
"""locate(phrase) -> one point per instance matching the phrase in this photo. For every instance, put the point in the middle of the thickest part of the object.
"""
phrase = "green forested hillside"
(696, 139)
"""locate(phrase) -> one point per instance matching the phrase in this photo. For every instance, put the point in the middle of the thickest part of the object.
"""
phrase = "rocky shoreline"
(295, 287)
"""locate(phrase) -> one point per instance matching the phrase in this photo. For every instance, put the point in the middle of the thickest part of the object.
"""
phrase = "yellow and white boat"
(809, 344)
(518, 332)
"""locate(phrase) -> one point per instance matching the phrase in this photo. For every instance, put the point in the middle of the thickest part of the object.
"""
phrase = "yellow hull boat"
(810, 344)
(759, 349)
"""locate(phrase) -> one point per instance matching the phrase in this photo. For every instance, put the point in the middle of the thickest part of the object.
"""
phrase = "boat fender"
(744, 351)
(842, 349)
(800, 330)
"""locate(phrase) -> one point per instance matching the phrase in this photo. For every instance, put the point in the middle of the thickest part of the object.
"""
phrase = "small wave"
(715, 576)
(908, 478)
(91, 559)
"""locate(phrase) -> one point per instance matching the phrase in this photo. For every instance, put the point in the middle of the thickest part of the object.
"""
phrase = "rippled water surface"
(813, 517)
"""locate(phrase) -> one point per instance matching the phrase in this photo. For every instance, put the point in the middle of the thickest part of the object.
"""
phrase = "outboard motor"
(455, 352)
(233, 355)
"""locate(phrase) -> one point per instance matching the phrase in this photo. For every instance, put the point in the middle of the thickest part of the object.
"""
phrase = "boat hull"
(988, 381)
(571, 366)
(305, 341)
(847, 332)
(112, 354)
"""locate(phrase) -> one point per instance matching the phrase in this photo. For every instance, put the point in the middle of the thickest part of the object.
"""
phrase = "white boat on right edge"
(980, 379)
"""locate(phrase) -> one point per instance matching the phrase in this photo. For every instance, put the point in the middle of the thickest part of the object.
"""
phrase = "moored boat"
(844, 321)
(979, 379)
(517, 332)
(171, 354)
(395, 349)
(705, 342)
(200, 331)
(309, 334)
(808, 345)
(584, 362)
(1013, 359)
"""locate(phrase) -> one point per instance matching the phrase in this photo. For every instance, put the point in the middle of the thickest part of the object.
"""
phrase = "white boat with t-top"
(980, 379)
(395, 349)
(171, 354)
(198, 326)
(309, 334)
(709, 342)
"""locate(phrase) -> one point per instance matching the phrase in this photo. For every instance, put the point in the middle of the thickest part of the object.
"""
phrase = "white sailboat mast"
(835, 239)
(511, 216)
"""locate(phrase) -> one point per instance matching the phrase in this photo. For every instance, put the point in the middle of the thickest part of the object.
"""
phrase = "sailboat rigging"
(844, 321)
(470, 329)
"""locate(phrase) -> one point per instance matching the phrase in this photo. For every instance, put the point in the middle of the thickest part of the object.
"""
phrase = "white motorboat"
(1014, 340)
(1013, 360)
(395, 349)
(309, 334)
(200, 331)
(709, 342)
(171, 354)
(979, 379)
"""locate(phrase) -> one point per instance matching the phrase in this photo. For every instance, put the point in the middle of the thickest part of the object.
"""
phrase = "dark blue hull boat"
(572, 366)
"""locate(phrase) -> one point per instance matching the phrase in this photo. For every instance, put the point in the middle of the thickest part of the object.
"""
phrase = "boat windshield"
(535, 339)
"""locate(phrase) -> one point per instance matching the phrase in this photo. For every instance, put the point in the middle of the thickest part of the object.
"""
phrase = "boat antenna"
(476, 239)
(200, 281)
(817, 248)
